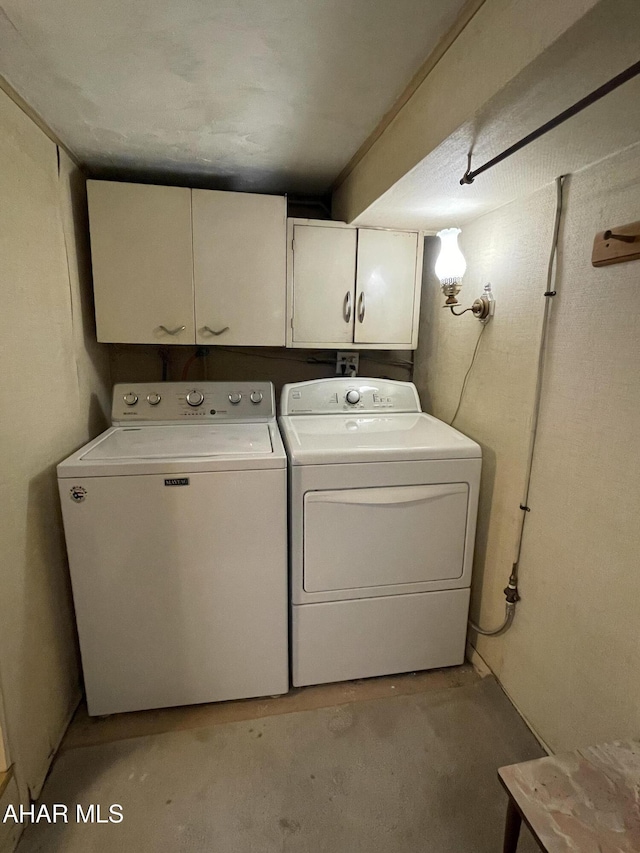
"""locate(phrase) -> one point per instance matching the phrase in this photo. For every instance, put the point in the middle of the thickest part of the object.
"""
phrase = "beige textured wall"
(53, 392)
(570, 662)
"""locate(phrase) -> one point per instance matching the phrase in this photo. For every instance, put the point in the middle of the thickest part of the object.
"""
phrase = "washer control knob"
(153, 399)
(353, 397)
(234, 398)
(130, 399)
(256, 396)
(195, 398)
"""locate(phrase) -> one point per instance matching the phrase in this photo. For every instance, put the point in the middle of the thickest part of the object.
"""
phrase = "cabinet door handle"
(173, 331)
(213, 331)
(346, 308)
(361, 307)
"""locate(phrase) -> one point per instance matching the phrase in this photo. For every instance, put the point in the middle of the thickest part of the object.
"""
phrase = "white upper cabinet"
(385, 286)
(142, 262)
(239, 264)
(356, 288)
(324, 266)
(172, 265)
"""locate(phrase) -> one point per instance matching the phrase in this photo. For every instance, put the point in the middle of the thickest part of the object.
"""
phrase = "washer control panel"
(330, 396)
(192, 402)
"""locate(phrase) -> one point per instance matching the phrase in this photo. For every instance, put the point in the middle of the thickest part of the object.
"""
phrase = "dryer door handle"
(388, 496)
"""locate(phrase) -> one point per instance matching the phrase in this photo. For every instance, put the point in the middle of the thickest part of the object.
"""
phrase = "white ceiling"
(265, 95)
(602, 44)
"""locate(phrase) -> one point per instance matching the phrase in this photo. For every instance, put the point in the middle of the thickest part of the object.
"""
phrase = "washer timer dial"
(353, 397)
(195, 398)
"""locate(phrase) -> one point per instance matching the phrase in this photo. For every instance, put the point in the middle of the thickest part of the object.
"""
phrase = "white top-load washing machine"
(383, 503)
(175, 521)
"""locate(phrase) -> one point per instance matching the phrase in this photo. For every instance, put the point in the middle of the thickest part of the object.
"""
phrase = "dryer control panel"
(331, 396)
(192, 402)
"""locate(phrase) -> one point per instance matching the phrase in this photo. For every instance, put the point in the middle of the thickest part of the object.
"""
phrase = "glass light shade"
(450, 265)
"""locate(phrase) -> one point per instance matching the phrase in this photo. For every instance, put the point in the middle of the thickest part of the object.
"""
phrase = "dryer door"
(380, 537)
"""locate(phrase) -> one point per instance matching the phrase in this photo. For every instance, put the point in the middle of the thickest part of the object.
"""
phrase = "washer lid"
(155, 449)
(325, 439)
(179, 442)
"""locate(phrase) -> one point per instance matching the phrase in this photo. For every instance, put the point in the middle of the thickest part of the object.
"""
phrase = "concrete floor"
(395, 765)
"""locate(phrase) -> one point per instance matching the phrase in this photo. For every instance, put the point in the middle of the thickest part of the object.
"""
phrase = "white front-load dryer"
(383, 504)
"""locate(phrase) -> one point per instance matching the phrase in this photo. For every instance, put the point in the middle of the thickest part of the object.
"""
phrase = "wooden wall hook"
(616, 245)
(626, 238)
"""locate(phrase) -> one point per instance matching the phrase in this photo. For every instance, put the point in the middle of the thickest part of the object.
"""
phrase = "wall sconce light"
(450, 269)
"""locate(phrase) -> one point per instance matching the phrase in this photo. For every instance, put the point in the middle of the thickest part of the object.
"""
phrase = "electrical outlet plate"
(347, 363)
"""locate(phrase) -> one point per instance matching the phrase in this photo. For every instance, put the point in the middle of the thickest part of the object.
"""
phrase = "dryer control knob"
(256, 396)
(153, 399)
(353, 397)
(130, 399)
(235, 398)
(195, 398)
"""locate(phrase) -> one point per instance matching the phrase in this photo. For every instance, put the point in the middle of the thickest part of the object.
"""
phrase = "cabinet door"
(324, 265)
(239, 264)
(386, 287)
(142, 263)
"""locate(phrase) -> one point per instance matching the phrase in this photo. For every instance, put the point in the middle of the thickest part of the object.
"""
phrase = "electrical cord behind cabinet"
(511, 590)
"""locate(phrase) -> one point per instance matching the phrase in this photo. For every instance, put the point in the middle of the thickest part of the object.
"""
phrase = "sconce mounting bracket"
(483, 307)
